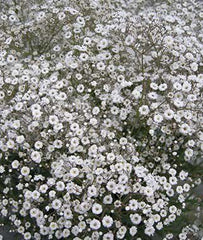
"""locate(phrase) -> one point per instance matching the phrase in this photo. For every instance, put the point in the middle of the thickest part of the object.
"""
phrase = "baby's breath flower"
(101, 116)
(25, 171)
(107, 221)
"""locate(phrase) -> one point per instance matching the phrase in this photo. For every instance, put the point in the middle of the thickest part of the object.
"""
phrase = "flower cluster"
(101, 112)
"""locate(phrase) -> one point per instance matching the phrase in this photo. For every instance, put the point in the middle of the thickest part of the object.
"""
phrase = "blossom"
(149, 231)
(25, 171)
(107, 221)
(144, 110)
(95, 224)
(135, 218)
(96, 208)
(36, 157)
(74, 172)
(15, 164)
(56, 204)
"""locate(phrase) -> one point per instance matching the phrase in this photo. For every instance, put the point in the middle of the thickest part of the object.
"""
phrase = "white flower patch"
(101, 118)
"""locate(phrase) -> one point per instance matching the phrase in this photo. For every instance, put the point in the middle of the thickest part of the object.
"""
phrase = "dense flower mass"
(101, 115)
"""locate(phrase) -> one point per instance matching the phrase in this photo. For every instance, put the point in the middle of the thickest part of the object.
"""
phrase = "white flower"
(10, 143)
(60, 186)
(74, 172)
(44, 230)
(38, 144)
(27, 235)
(51, 181)
(2, 169)
(100, 66)
(163, 87)
(25, 171)
(20, 139)
(53, 226)
(185, 128)
(172, 217)
(121, 232)
(177, 86)
(35, 195)
(80, 88)
(136, 94)
(71, 62)
(173, 180)
(189, 152)
(107, 221)
(133, 230)
(102, 44)
(170, 18)
(74, 127)
(123, 141)
(152, 95)
(140, 171)
(168, 40)
(186, 87)
(15, 164)
(2, 95)
(133, 204)
(36, 157)
(93, 121)
(43, 188)
(129, 40)
(95, 110)
(95, 224)
(168, 114)
(194, 66)
(158, 118)
(186, 187)
(84, 57)
(154, 86)
(156, 218)
(123, 179)
(92, 191)
(144, 110)
(159, 225)
(35, 107)
(107, 199)
(135, 218)
(56, 204)
(111, 185)
(53, 119)
(175, 66)
(10, 58)
(66, 233)
(108, 236)
(149, 231)
(96, 208)
(110, 157)
(68, 214)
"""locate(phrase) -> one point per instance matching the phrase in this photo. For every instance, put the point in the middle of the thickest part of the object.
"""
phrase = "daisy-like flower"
(144, 110)
(15, 164)
(56, 204)
(149, 231)
(95, 224)
(25, 171)
(107, 221)
(97, 208)
(74, 172)
(35, 156)
(185, 129)
(135, 218)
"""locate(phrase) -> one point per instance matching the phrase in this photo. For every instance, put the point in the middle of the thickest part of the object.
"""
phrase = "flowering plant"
(101, 117)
